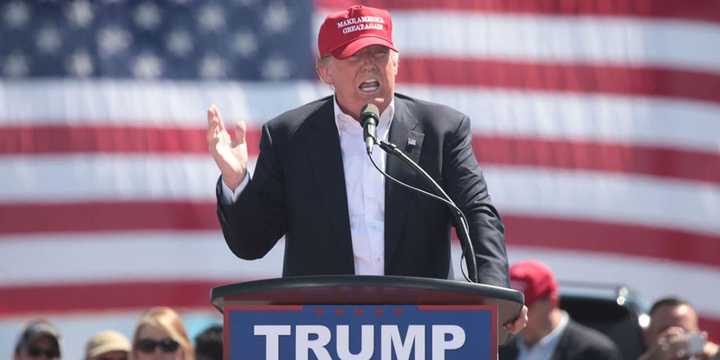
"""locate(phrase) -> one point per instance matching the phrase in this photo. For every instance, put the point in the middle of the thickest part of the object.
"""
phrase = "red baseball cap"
(346, 32)
(535, 280)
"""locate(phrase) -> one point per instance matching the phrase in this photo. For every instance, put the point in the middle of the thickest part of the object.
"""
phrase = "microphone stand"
(462, 229)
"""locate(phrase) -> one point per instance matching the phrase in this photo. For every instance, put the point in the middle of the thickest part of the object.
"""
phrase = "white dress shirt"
(544, 348)
(365, 189)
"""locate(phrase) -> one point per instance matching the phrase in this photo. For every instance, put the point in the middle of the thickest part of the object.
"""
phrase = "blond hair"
(168, 320)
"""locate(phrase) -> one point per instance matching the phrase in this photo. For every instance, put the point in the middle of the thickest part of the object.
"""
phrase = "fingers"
(518, 323)
(214, 119)
(216, 129)
(240, 130)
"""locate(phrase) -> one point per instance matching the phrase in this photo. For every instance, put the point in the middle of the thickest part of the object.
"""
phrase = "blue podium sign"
(360, 332)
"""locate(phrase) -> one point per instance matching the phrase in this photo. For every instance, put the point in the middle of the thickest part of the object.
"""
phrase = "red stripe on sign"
(569, 234)
(515, 151)
(700, 10)
(106, 296)
(614, 238)
(571, 77)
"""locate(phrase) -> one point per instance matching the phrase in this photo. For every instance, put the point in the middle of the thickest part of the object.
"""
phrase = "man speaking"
(314, 183)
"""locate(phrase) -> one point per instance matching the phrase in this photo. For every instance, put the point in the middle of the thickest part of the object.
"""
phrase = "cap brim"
(349, 49)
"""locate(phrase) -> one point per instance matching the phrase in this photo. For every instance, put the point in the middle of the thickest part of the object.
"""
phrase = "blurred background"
(597, 124)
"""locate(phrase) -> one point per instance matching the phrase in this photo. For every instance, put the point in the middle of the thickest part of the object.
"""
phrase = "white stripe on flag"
(127, 256)
(561, 193)
(643, 120)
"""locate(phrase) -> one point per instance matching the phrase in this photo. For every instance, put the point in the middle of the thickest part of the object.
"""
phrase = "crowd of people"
(673, 332)
(159, 334)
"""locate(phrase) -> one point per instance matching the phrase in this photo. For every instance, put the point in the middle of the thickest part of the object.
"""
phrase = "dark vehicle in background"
(614, 310)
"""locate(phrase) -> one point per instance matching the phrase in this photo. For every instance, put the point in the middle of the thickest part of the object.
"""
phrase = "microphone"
(462, 227)
(370, 115)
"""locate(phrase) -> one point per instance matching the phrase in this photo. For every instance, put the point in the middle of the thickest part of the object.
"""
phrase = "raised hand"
(230, 155)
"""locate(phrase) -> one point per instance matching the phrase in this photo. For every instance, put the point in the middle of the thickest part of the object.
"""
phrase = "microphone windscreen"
(370, 111)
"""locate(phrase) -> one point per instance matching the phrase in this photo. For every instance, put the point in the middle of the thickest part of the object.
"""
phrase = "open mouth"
(369, 86)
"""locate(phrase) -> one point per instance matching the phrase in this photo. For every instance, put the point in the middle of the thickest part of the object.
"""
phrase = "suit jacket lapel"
(404, 133)
(325, 160)
(562, 345)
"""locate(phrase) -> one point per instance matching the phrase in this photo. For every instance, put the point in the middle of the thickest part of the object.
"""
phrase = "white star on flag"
(147, 66)
(16, 14)
(80, 13)
(48, 40)
(277, 17)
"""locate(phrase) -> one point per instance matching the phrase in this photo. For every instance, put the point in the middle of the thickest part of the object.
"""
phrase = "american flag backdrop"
(597, 123)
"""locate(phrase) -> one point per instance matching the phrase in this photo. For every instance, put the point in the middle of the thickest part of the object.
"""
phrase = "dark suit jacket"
(298, 190)
(576, 343)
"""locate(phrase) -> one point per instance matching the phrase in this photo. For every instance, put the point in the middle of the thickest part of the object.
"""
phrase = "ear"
(395, 58)
(324, 72)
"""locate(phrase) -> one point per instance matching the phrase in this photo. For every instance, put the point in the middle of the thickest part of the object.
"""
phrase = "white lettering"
(367, 346)
(392, 342)
(303, 344)
(359, 20)
(440, 345)
(272, 335)
(359, 27)
(315, 338)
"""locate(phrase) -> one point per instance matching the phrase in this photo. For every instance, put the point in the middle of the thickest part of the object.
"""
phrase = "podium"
(333, 295)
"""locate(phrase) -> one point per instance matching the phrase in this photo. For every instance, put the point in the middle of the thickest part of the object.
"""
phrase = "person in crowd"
(550, 332)
(160, 334)
(209, 343)
(39, 340)
(107, 345)
(674, 333)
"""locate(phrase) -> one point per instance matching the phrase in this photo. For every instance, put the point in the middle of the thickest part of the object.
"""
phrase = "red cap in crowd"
(346, 32)
(535, 280)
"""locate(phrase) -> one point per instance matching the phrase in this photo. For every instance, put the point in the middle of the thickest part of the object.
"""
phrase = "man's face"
(366, 77)
(42, 348)
(537, 315)
(665, 317)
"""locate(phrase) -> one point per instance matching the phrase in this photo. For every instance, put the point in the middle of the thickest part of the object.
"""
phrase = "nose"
(367, 59)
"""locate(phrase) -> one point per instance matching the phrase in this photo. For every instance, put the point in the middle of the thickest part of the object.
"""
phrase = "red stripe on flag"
(557, 77)
(712, 326)
(614, 238)
(107, 216)
(700, 10)
(568, 234)
(49, 139)
(514, 151)
(105, 296)
(597, 156)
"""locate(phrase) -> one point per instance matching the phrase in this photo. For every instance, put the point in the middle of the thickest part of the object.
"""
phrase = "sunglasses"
(35, 351)
(167, 345)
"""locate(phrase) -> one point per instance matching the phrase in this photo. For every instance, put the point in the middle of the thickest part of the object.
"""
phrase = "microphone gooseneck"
(461, 223)
(370, 116)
